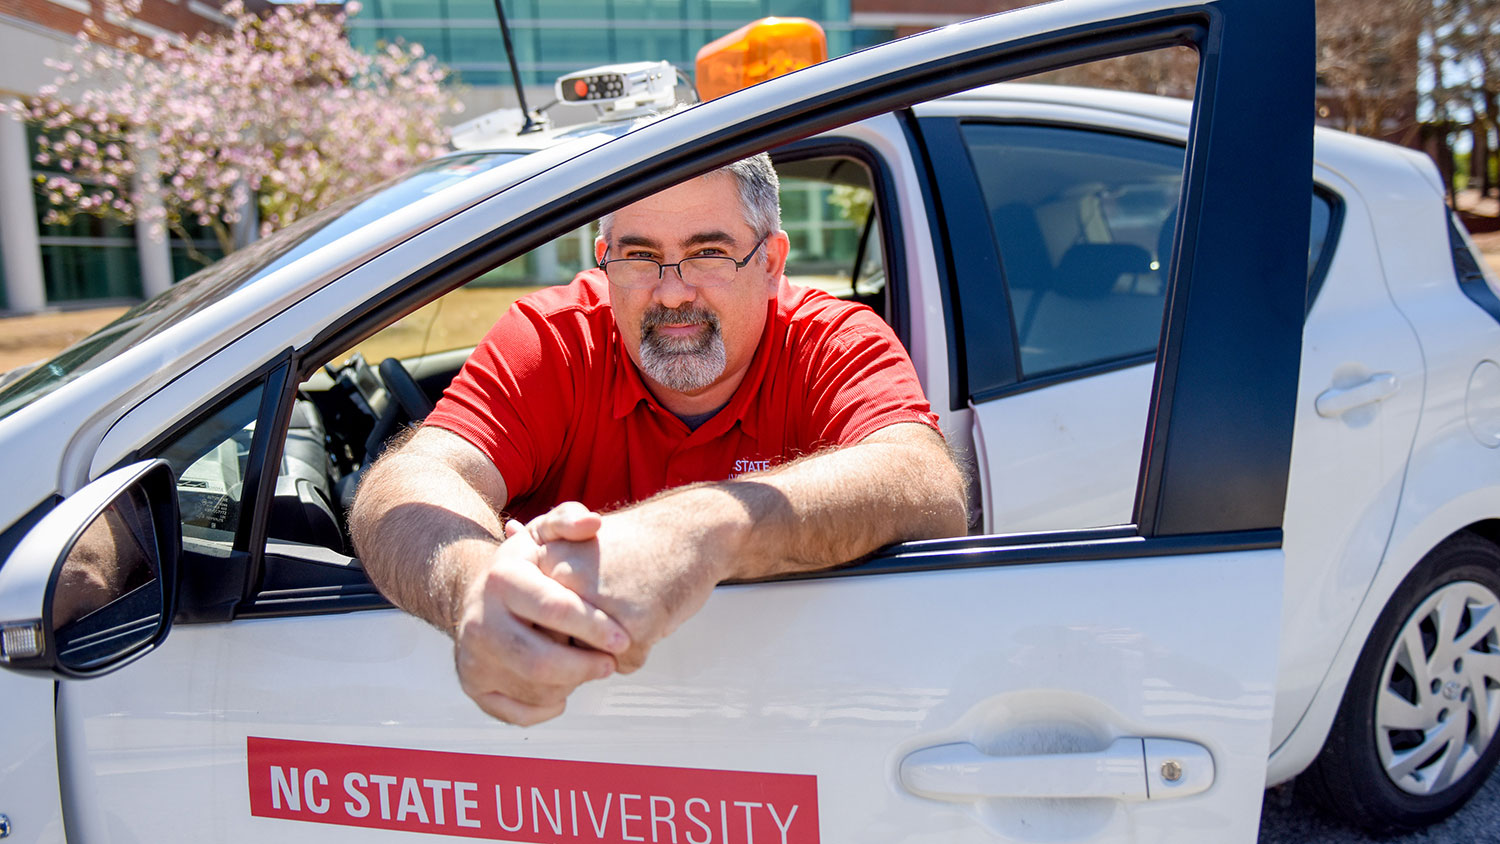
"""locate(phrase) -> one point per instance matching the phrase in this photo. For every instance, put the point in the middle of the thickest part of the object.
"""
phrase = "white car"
(1207, 547)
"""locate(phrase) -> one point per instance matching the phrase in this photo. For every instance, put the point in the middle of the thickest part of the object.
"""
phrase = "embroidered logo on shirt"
(745, 466)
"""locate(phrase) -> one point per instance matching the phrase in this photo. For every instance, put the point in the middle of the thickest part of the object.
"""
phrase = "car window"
(460, 319)
(1084, 223)
(1475, 279)
(829, 212)
(1080, 219)
(1106, 213)
(345, 414)
(210, 459)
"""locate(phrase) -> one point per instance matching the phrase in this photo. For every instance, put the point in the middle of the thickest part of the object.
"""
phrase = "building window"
(87, 257)
(559, 36)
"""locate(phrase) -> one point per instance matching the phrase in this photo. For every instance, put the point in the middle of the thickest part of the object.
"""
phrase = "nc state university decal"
(538, 801)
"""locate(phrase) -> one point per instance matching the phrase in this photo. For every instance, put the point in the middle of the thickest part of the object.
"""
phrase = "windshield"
(244, 267)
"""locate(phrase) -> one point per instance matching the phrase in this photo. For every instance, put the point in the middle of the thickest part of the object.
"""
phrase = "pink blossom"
(279, 110)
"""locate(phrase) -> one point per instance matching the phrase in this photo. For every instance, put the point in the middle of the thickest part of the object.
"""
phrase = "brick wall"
(155, 17)
(965, 8)
(909, 18)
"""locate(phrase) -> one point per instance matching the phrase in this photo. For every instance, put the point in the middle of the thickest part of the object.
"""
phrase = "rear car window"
(1469, 267)
(1084, 222)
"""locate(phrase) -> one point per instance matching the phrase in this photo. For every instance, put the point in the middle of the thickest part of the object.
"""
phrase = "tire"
(1415, 736)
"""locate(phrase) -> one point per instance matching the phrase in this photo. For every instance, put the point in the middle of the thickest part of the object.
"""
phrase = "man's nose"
(672, 291)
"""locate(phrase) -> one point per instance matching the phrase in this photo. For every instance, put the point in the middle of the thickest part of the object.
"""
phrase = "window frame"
(972, 171)
(887, 209)
(1210, 412)
(212, 588)
(950, 157)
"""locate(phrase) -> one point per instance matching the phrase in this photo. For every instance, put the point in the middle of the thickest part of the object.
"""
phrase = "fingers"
(568, 521)
(512, 711)
(537, 598)
(513, 645)
(517, 673)
(631, 661)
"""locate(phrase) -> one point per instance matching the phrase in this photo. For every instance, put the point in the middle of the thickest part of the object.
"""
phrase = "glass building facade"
(92, 257)
(553, 37)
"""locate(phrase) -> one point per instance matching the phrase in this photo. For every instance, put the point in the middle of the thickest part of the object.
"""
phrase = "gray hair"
(759, 190)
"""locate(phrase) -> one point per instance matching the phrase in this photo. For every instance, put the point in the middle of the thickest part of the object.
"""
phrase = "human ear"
(600, 247)
(777, 247)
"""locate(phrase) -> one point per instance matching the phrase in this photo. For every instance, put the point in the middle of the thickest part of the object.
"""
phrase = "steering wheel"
(413, 402)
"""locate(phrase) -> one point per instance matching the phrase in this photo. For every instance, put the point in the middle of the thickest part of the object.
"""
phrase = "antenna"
(530, 125)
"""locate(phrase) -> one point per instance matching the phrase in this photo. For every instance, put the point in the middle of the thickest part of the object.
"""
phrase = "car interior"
(1083, 223)
(351, 410)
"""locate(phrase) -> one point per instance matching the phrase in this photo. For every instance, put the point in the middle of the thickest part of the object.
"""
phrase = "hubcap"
(1438, 704)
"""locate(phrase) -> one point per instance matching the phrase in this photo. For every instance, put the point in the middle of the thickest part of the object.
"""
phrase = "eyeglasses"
(698, 271)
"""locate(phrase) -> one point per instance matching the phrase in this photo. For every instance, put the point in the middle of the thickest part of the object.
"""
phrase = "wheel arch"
(1471, 513)
(1486, 529)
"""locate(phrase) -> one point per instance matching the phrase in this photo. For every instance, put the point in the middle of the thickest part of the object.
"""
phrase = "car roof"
(1359, 159)
(1151, 106)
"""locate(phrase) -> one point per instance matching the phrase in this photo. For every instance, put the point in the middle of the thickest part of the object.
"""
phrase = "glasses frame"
(661, 269)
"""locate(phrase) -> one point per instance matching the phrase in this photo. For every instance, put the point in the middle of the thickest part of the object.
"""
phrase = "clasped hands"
(570, 597)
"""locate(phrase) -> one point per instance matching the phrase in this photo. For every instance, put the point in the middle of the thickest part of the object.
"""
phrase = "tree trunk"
(1436, 143)
(1487, 184)
(1479, 156)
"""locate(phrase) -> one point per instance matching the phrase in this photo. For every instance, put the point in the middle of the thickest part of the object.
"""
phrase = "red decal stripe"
(538, 801)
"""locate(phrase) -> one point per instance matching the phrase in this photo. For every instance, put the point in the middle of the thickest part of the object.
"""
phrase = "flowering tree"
(279, 111)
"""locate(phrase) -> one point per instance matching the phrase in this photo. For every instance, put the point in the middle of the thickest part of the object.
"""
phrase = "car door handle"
(1131, 768)
(1337, 401)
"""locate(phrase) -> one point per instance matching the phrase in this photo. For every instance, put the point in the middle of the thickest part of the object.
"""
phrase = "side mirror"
(94, 584)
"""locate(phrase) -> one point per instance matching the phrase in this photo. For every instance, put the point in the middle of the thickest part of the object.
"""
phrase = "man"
(787, 429)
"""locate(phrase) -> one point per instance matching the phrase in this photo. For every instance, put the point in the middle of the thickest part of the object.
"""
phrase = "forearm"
(422, 532)
(821, 510)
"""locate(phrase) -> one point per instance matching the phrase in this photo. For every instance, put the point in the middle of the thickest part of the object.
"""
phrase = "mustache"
(656, 316)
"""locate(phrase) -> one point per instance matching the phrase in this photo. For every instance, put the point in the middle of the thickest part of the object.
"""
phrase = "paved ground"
(28, 339)
(1289, 819)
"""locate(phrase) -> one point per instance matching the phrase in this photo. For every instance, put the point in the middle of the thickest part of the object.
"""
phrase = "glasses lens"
(708, 272)
(629, 272)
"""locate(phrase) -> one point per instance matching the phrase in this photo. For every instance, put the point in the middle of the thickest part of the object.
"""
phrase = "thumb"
(569, 521)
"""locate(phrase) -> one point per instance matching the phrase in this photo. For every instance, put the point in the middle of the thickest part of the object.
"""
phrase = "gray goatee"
(683, 364)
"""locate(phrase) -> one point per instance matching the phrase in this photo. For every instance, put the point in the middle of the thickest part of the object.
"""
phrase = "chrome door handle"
(1129, 769)
(1336, 402)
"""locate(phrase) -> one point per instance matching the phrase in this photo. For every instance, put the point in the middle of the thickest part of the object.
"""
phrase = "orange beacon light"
(757, 51)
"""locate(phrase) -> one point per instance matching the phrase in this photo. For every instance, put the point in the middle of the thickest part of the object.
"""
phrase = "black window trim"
(1470, 278)
(1234, 337)
(213, 589)
(983, 311)
(947, 273)
(1331, 237)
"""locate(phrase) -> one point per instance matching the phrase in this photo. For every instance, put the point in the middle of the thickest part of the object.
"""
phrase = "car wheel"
(1415, 735)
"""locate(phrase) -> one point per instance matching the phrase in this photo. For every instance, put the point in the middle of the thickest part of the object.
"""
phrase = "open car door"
(1101, 685)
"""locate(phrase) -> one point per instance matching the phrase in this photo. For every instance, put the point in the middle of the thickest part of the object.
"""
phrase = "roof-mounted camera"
(621, 90)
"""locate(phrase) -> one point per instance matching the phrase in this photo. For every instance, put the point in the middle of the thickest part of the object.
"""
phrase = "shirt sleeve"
(861, 380)
(513, 397)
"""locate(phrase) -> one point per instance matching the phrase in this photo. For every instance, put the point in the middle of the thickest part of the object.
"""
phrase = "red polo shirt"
(554, 399)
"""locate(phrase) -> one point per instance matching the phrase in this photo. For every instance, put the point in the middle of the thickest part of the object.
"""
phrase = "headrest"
(1090, 270)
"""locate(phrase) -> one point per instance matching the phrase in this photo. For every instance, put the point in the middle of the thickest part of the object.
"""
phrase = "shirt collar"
(630, 388)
